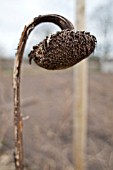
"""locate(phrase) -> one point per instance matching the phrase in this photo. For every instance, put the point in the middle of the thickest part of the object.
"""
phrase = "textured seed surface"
(63, 49)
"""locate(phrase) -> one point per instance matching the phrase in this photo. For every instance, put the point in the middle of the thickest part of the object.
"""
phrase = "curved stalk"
(63, 23)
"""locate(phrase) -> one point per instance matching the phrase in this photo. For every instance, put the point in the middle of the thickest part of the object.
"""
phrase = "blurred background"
(47, 96)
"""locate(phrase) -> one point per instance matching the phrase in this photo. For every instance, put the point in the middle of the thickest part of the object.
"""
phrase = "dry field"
(47, 102)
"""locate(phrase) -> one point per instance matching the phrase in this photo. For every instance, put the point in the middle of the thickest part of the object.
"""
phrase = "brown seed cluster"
(63, 49)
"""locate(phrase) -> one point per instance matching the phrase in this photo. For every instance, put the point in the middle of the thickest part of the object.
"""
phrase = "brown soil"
(47, 99)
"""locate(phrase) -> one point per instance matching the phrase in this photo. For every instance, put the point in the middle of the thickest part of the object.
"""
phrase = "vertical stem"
(18, 124)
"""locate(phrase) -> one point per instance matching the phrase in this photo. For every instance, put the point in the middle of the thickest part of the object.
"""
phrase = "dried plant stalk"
(62, 50)
(18, 155)
(63, 23)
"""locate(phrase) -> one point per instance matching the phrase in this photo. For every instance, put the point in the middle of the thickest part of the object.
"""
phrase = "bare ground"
(47, 99)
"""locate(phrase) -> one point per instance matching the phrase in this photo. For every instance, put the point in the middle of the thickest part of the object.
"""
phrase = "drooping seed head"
(63, 49)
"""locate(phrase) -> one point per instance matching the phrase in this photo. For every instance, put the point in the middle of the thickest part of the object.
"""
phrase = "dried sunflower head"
(63, 49)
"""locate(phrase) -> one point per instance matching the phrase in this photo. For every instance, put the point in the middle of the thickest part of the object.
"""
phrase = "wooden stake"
(80, 77)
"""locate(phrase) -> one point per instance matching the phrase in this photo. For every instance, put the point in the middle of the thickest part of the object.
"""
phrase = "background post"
(80, 78)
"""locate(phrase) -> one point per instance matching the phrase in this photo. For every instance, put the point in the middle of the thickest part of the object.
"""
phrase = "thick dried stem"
(63, 24)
